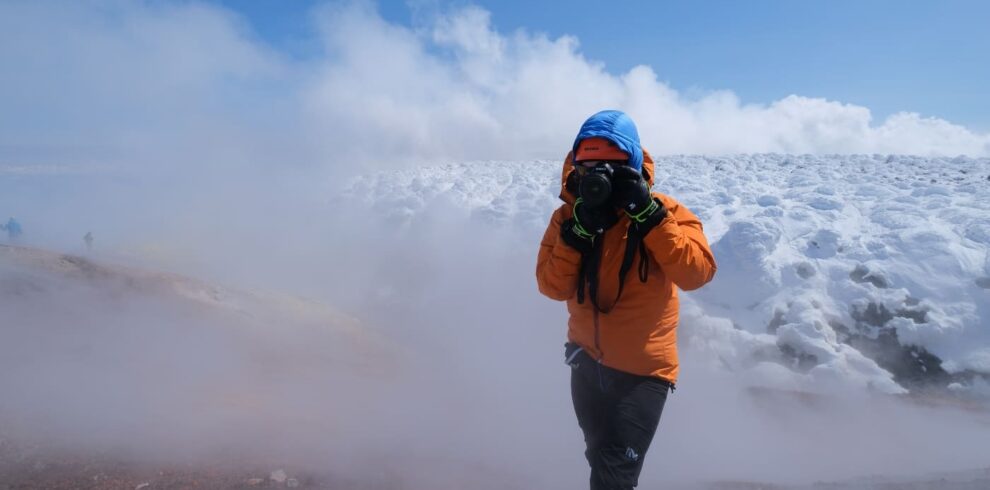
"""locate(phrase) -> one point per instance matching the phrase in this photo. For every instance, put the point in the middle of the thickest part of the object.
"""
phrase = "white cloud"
(187, 82)
(463, 90)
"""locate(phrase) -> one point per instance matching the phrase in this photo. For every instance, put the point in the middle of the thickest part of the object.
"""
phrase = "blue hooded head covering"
(617, 127)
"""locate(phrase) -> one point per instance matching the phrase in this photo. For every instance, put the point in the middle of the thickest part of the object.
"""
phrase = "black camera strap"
(590, 264)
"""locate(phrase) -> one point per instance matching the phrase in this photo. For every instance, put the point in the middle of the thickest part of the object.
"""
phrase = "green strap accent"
(642, 215)
(580, 231)
(578, 227)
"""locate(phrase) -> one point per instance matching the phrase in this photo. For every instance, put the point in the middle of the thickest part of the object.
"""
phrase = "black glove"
(571, 237)
(631, 193)
(593, 220)
(588, 222)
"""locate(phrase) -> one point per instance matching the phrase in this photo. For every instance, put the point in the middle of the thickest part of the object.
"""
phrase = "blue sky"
(922, 56)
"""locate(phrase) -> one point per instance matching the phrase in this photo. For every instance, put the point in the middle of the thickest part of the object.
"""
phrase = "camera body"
(595, 186)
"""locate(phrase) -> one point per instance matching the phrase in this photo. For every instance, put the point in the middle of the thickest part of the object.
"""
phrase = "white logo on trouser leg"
(631, 454)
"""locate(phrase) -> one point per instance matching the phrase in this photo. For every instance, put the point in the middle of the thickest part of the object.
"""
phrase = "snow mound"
(857, 270)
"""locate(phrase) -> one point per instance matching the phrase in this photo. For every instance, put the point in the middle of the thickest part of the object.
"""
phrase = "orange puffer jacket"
(638, 334)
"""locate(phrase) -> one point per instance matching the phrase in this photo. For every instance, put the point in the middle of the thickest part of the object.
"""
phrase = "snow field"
(862, 271)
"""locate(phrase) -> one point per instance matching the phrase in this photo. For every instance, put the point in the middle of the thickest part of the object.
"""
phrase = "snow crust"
(814, 253)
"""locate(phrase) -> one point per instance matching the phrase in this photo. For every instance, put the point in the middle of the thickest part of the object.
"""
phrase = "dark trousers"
(618, 413)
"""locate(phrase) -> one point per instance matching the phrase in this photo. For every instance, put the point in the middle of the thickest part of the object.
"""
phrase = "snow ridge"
(839, 270)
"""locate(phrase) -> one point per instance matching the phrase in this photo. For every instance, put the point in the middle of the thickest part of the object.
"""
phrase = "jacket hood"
(617, 127)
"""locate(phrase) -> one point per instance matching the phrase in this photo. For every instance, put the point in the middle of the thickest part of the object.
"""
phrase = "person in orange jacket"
(622, 331)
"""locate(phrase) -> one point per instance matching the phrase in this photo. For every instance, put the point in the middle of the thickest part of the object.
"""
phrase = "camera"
(596, 185)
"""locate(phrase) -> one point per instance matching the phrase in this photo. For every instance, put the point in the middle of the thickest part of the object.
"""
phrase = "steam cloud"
(174, 131)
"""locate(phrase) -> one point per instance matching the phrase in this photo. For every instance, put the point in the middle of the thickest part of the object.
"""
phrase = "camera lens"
(596, 186)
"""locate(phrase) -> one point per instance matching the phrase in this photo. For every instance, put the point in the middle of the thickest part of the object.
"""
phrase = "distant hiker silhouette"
(88, 238)
(14, 230)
